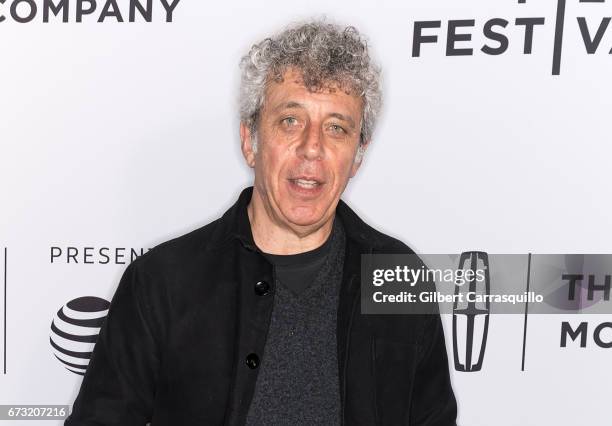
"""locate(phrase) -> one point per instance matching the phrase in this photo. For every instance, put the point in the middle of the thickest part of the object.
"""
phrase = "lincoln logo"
(74, 331)
(471, 319)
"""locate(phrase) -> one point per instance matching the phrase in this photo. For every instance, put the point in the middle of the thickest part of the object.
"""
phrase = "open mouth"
(306, 183)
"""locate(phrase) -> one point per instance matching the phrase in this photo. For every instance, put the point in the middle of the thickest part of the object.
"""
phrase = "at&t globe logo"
(74, 331)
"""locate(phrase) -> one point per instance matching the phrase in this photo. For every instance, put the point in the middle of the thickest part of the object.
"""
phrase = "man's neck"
(276, 238)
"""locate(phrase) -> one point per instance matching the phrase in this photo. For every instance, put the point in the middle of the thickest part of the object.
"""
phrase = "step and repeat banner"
(119, 130)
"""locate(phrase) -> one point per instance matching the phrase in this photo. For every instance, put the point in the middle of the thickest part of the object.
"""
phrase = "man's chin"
(304, 217)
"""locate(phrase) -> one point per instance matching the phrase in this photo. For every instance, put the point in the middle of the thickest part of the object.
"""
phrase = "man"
(254, 318)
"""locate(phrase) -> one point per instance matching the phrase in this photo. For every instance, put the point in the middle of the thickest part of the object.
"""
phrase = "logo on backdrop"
(457, 35)
(587, 284)
(45, 11)
(470, 320)
(95, 255)
(74, 331)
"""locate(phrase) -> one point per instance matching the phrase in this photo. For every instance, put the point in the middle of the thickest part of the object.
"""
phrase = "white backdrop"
(123, 135)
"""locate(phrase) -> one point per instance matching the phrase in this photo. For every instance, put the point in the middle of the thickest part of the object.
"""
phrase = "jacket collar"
(235, 224)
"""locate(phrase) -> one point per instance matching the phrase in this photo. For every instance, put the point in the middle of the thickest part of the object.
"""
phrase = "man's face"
(307, 143)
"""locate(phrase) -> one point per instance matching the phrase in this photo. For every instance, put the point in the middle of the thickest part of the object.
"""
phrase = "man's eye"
(337, 129)
(290, 121)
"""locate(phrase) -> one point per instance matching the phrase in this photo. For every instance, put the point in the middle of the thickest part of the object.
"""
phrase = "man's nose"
(311, 147)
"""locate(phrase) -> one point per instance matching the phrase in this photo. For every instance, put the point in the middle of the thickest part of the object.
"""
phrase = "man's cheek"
(348, 166)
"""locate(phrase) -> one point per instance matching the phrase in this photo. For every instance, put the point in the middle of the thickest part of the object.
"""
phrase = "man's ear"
(246, 144)
(361, 149)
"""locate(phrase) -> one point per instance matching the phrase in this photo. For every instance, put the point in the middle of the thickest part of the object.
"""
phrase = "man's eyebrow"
(343, 117)
(288, 105)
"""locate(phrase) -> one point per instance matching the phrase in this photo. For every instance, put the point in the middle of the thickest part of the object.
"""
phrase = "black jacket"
(177, 345)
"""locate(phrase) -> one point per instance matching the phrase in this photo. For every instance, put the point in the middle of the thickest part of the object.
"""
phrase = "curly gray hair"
(324, 53)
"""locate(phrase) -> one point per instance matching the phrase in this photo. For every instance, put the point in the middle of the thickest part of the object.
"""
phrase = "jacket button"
(262, 288)
(252, 361)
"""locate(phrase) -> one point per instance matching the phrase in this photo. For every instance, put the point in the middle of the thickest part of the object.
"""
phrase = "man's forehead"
(291, 92)
(293, 76)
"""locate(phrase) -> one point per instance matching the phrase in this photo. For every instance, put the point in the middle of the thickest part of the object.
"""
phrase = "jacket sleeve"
(433, 401)
(119, 385)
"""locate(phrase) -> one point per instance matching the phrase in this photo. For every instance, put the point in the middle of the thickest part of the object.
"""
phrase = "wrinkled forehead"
(315, 81)
(329, 97)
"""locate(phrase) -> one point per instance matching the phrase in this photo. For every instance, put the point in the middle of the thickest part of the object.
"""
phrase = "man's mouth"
(306, 183)
(306, 186)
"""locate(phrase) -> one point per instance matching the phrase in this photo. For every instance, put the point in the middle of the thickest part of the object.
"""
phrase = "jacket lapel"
(357, 243)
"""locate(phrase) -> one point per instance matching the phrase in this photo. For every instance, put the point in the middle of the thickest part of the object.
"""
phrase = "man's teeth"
(306, 183)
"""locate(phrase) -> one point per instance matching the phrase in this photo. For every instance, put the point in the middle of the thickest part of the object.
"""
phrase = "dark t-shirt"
(297, 271)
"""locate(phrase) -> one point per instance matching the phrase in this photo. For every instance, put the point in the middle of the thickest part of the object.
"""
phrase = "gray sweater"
(297, 382)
